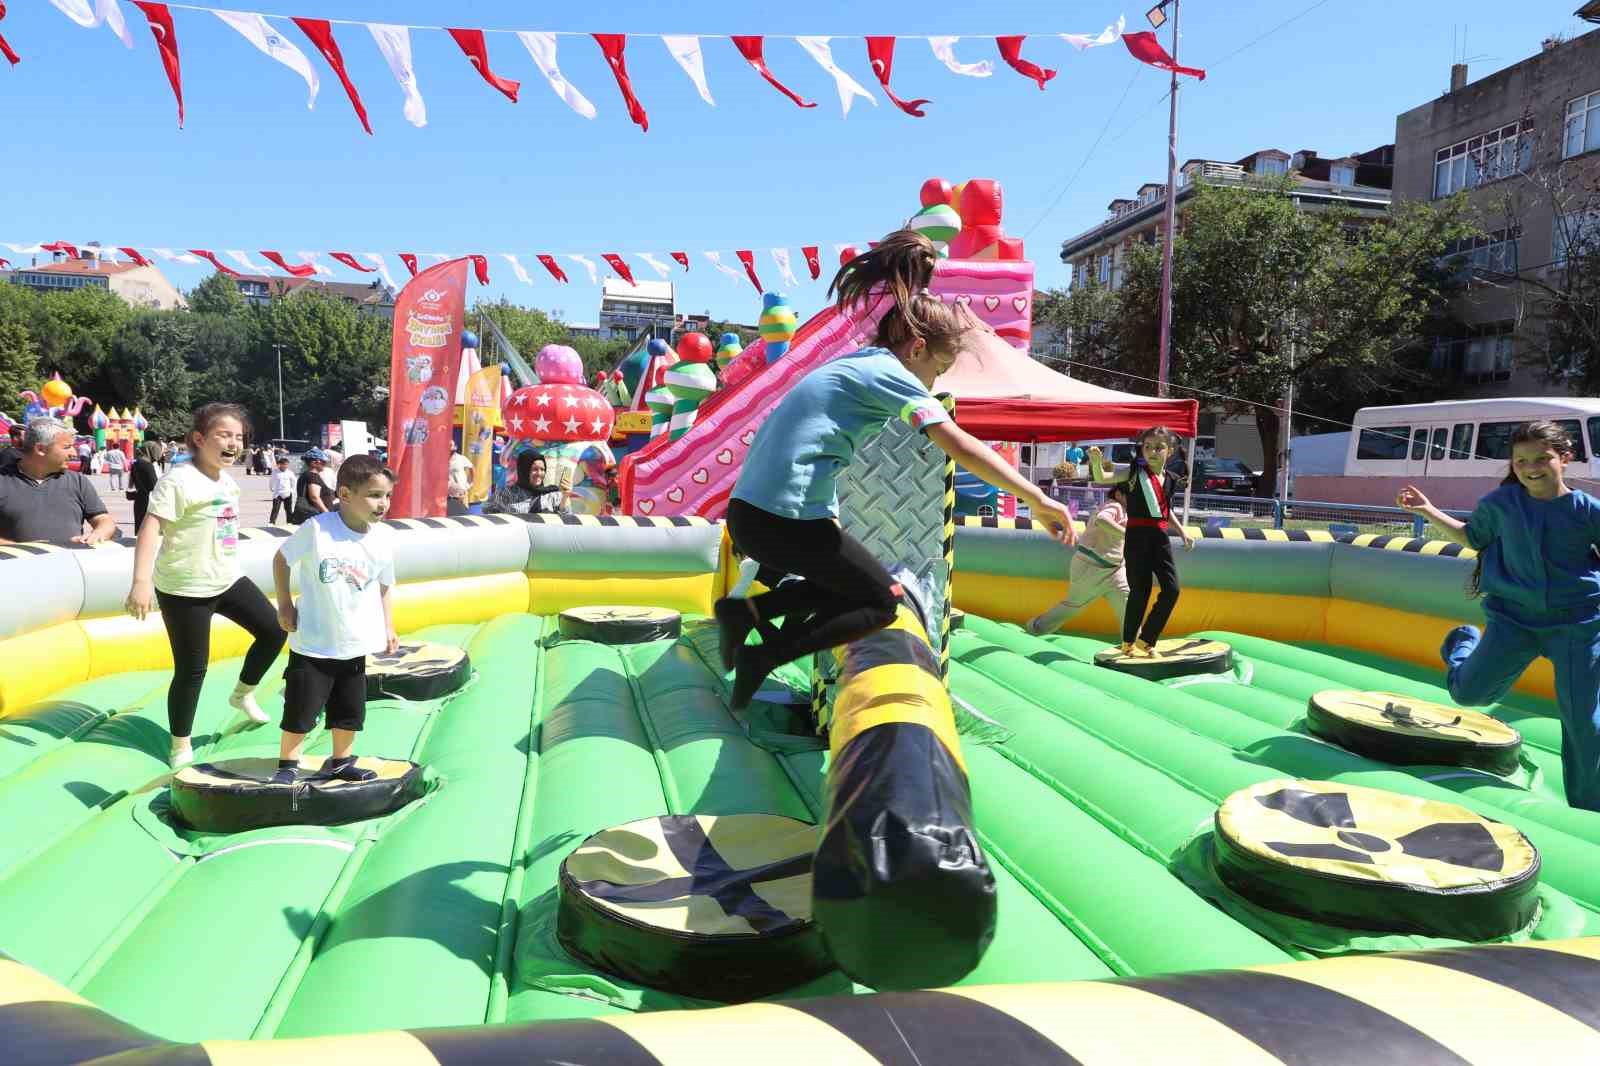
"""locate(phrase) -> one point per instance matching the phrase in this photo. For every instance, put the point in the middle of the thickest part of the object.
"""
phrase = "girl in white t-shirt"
(1096, 569)
(187, 560)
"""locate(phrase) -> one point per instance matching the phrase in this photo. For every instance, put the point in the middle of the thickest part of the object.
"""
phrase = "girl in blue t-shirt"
(784, 510)
(1540, 582)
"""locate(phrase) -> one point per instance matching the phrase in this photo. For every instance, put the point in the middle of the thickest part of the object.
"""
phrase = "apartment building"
(139, 286)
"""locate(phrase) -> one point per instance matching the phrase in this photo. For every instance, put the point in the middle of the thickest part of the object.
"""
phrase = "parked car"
(1223, 477)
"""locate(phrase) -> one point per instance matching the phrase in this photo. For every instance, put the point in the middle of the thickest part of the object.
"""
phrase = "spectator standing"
(460, 482)
(116, 464)
(529, 495)
(283, 482)
(311, 494)
(97, 462)
(146, 472)
(42, 499)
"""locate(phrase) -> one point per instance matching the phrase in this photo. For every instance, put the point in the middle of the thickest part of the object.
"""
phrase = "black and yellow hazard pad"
(1175, 657)
(234, 795)
(620, 625)
(1364, 858)
(716, 907)
(1412, 732)
(417, 672)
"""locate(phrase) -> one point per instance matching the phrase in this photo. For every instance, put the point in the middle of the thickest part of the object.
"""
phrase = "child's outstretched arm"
(979, 458)
(1411, 499)
(1101, 472)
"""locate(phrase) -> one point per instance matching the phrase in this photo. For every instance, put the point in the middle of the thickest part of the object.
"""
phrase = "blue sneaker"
(1453, 640)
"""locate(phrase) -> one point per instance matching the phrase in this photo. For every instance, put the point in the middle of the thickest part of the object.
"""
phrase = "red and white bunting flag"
(880, 50)
(24, 249)
(813, 260)
(410, 260)
(944, 49)
(320, 33)
(133, 254)
(350, 261)
(517, 268)
(686, 52)
(383, 269)
(748, 259)
(209, 257)
(780, 256)
(310, 259)
(754, 51)
(716, 261)
(70, 250)
(1109, 35)
(552, 266)
(589, 265)
(1011, 52)
(472, 43)
(1146, 49)
(105, 13)
(682, 259)
(238, 256)
(849, 88)
(620, 265)
(259, 32)
(542, 47)
(5, 46)
(299, 270)
(613, 46)
(4, 263)
(175, 257)
(661, 269)
(395, 44)
(160, 20)
(480, 267)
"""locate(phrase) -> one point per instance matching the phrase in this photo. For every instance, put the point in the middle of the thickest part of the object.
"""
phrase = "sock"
(244, 699)
(285, 774)
(345, 769)
(182, 754)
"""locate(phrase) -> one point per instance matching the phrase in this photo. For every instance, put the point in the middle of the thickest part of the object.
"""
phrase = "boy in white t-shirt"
(1096, 569)
(346, 568)
(283, 482)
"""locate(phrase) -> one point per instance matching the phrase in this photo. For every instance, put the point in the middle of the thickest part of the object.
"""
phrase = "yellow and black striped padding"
(417, 671)
(1412, 732)
(1385, 541)
(1367, 859)
(716, 907)
(1485, 1006)
(1173, 657)
(235, 795)
(620, 625)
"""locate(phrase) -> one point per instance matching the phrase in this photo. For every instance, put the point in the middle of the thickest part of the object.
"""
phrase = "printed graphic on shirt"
(918, 414)
(227, 524)
(352, 571)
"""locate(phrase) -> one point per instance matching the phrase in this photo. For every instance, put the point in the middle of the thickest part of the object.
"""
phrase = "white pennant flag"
(594, 275)
(259, 32)
(438, 257)
(1109, 35)
(849, 88)
(377, 260)
(105, 12)
(945, 49)
(686, 50)
(716, 261)
(542, 47)
(517, 268)
(244, 261)
(173, 257)
(657, 265)
(316, 267)
(25, 249)
(395, 44)
(781, 257)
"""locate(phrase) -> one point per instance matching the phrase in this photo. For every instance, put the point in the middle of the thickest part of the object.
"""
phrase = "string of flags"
(266, 33)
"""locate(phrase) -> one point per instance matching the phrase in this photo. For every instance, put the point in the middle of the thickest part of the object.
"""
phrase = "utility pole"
(282, 434)
(1157, 15)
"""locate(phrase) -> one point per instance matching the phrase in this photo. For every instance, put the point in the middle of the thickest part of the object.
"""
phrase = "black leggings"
(286, 503)
(843, 592)
(188, 622)
(1147, 553)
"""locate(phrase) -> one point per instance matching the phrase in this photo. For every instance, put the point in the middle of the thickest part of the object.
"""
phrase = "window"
(1386, 443)
(1497, 252)
(1594, 436)
(1582, 132)
(1419, 445)
(1494, 439)
(1436, 452)
(1487, 157)
(1103, 274)
(1577, 234)
(1342, 174)
(1461, 441)
(1270, 166)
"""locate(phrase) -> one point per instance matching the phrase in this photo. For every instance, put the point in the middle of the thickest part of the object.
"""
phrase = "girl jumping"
(1097, 566)
(1540, 583)
(784, 509)
(1147, 550)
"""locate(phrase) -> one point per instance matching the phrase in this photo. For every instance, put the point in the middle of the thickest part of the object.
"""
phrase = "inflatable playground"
(948, 842)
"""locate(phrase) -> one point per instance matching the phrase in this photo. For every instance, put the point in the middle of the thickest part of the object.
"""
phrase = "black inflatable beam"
(1179, 657)
(235, 795)
(1411, 732)
(620, 625)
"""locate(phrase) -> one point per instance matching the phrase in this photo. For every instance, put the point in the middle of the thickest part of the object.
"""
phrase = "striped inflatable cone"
(660, 402)
(683, 415)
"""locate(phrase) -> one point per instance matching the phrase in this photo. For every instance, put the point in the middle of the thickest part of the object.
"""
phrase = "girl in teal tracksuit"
(1540, 580)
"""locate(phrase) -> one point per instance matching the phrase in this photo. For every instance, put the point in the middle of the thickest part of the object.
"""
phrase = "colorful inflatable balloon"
(558, 364)
(694, 348)
(56, 392)
(469, 339)
(656, 347)
(935, 191)
(98, 424)
(689, 382)
(728, 350)
(939, 223)
(847, 253)
(778, 324)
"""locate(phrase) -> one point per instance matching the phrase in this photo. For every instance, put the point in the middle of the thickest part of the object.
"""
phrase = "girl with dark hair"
(1147, 549)
(1540, 584)
(784, 510)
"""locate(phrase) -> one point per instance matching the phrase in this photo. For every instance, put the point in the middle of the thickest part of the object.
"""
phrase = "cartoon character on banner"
(567, 421)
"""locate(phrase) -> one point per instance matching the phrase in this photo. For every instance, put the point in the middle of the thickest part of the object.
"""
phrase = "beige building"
(1511, 140)
(139, 286)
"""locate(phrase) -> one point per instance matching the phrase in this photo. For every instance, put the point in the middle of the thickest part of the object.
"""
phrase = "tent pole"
(1188, 482)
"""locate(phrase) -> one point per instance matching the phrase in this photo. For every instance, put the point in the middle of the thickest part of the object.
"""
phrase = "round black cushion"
(417, 671)
(620, 625)
(234, 795)
(716, 907)
(1412, 732)
(1363, 858)
(1175, 657)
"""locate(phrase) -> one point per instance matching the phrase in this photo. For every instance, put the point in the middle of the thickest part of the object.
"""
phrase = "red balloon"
(935, 191)
(694, 348)
(847, 255)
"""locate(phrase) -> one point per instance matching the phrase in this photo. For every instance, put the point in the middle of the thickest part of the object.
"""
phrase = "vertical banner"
(477, 436)
(423, 366)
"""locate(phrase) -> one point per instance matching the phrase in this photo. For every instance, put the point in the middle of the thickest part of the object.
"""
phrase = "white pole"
(1171, 223)
(278, 348)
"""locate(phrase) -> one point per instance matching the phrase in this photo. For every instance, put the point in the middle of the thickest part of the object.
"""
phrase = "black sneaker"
(346, 769)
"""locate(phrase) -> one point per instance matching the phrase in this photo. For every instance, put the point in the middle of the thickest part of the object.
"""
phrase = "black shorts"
(310, 684)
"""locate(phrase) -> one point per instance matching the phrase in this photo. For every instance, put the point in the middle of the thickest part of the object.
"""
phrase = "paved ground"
(255, 501)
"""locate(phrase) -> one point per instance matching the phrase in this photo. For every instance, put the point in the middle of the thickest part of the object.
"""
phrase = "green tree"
(1081, 322)
(147, 370)
(19, 364)
(217, 295)
(335, 363)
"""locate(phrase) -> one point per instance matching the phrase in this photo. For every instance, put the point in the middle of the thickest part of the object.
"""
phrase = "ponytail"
(899, 267)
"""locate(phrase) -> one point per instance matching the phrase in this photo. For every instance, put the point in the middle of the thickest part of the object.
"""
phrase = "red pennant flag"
(753, 49)
(480, 267)
(410, 261)
(617, 263)
(614, 45)
(160, 20)
(5, 49)
(352, 262)
(682, 260)
(135, 256)
(303, 270)
(881, 51)
(321, 35)
(472, 43)
(211, 257)
(748, 258)
(1146, 49)
(551, 265)
(1011, 52)
(813, 263)
(4, 263)
(62, 247)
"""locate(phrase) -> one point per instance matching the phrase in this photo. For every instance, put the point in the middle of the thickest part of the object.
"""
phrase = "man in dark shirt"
(41, 500)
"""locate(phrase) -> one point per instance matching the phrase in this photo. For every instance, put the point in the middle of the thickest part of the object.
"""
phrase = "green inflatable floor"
(1094, 794)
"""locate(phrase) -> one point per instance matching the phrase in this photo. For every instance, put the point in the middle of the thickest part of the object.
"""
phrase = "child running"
(1096, 569)
(784, 510)
(1147, 549)
(345, 561)
(187, 559)
(1540, 583)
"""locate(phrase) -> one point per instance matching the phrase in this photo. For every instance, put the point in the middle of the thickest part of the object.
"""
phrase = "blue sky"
(92, 151)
